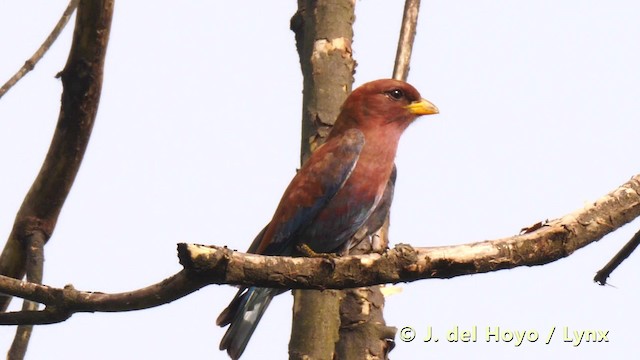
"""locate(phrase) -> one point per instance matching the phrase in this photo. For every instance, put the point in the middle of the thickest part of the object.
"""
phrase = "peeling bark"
(205, 265)
(364, 334)
(323, 32)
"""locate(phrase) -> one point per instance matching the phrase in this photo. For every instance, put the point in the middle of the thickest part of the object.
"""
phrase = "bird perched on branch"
(336, 192)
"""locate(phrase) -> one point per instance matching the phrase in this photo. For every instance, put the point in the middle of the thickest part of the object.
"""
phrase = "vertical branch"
(323, 32)
(407, 36)
(82, 83)
(35, 265)
(364, 333)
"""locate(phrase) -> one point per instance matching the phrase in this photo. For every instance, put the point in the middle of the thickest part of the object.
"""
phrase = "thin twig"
(627, 249)
(405, 43)
(33, 60)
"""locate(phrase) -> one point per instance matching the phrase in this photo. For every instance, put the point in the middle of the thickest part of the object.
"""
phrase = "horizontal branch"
(550, 242)
(205, 265)
(62, 303)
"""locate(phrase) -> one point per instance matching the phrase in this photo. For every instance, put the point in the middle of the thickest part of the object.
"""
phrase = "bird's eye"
(395, 94)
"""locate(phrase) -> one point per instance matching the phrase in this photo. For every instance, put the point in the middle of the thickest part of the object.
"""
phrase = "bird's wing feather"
(311, 189)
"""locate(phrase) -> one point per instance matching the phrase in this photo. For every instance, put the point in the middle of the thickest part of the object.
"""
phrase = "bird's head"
(382, 103)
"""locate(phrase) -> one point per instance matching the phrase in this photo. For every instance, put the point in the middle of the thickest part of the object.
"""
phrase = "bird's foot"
(305, 250)
(327, 258)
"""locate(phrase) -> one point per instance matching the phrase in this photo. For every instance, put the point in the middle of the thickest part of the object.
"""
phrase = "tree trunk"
(324, 32)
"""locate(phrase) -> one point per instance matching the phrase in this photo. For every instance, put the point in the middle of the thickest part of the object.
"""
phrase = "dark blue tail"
(242, 315)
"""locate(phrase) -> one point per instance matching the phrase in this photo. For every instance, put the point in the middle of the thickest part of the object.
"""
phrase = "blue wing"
(313, 187)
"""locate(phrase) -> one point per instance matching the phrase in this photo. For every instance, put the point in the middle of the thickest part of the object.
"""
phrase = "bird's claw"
(307, 251)
(328, 258)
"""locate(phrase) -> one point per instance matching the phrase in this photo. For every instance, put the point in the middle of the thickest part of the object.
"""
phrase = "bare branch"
(62, 303)
(33, 60)
(555, 240)
(405, 43)
(216, 265)
(324, 34)
(82, 82)
(35, 265)
(627, 249)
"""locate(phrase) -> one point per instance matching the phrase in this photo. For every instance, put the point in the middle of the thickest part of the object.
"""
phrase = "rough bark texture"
(314, 331)
(538, 245)
(323, 32)
(82, 82)
(363, 332)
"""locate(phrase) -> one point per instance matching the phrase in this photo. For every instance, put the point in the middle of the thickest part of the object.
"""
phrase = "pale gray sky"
(198, 135)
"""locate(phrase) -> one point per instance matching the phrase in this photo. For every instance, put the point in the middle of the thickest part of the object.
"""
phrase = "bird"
(337, 191)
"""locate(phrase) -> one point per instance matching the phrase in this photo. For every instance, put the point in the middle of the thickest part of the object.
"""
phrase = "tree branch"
(82, 82)
(35, 269)
(33, 60)
(219, 265)
(405, 43)
(622, 255)
(62, 303)
(324, 33)
(555, 240)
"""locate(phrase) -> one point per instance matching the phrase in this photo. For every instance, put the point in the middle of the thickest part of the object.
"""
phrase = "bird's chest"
(368, 180)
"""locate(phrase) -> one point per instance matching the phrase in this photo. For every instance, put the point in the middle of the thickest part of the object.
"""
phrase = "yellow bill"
(422, 107)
